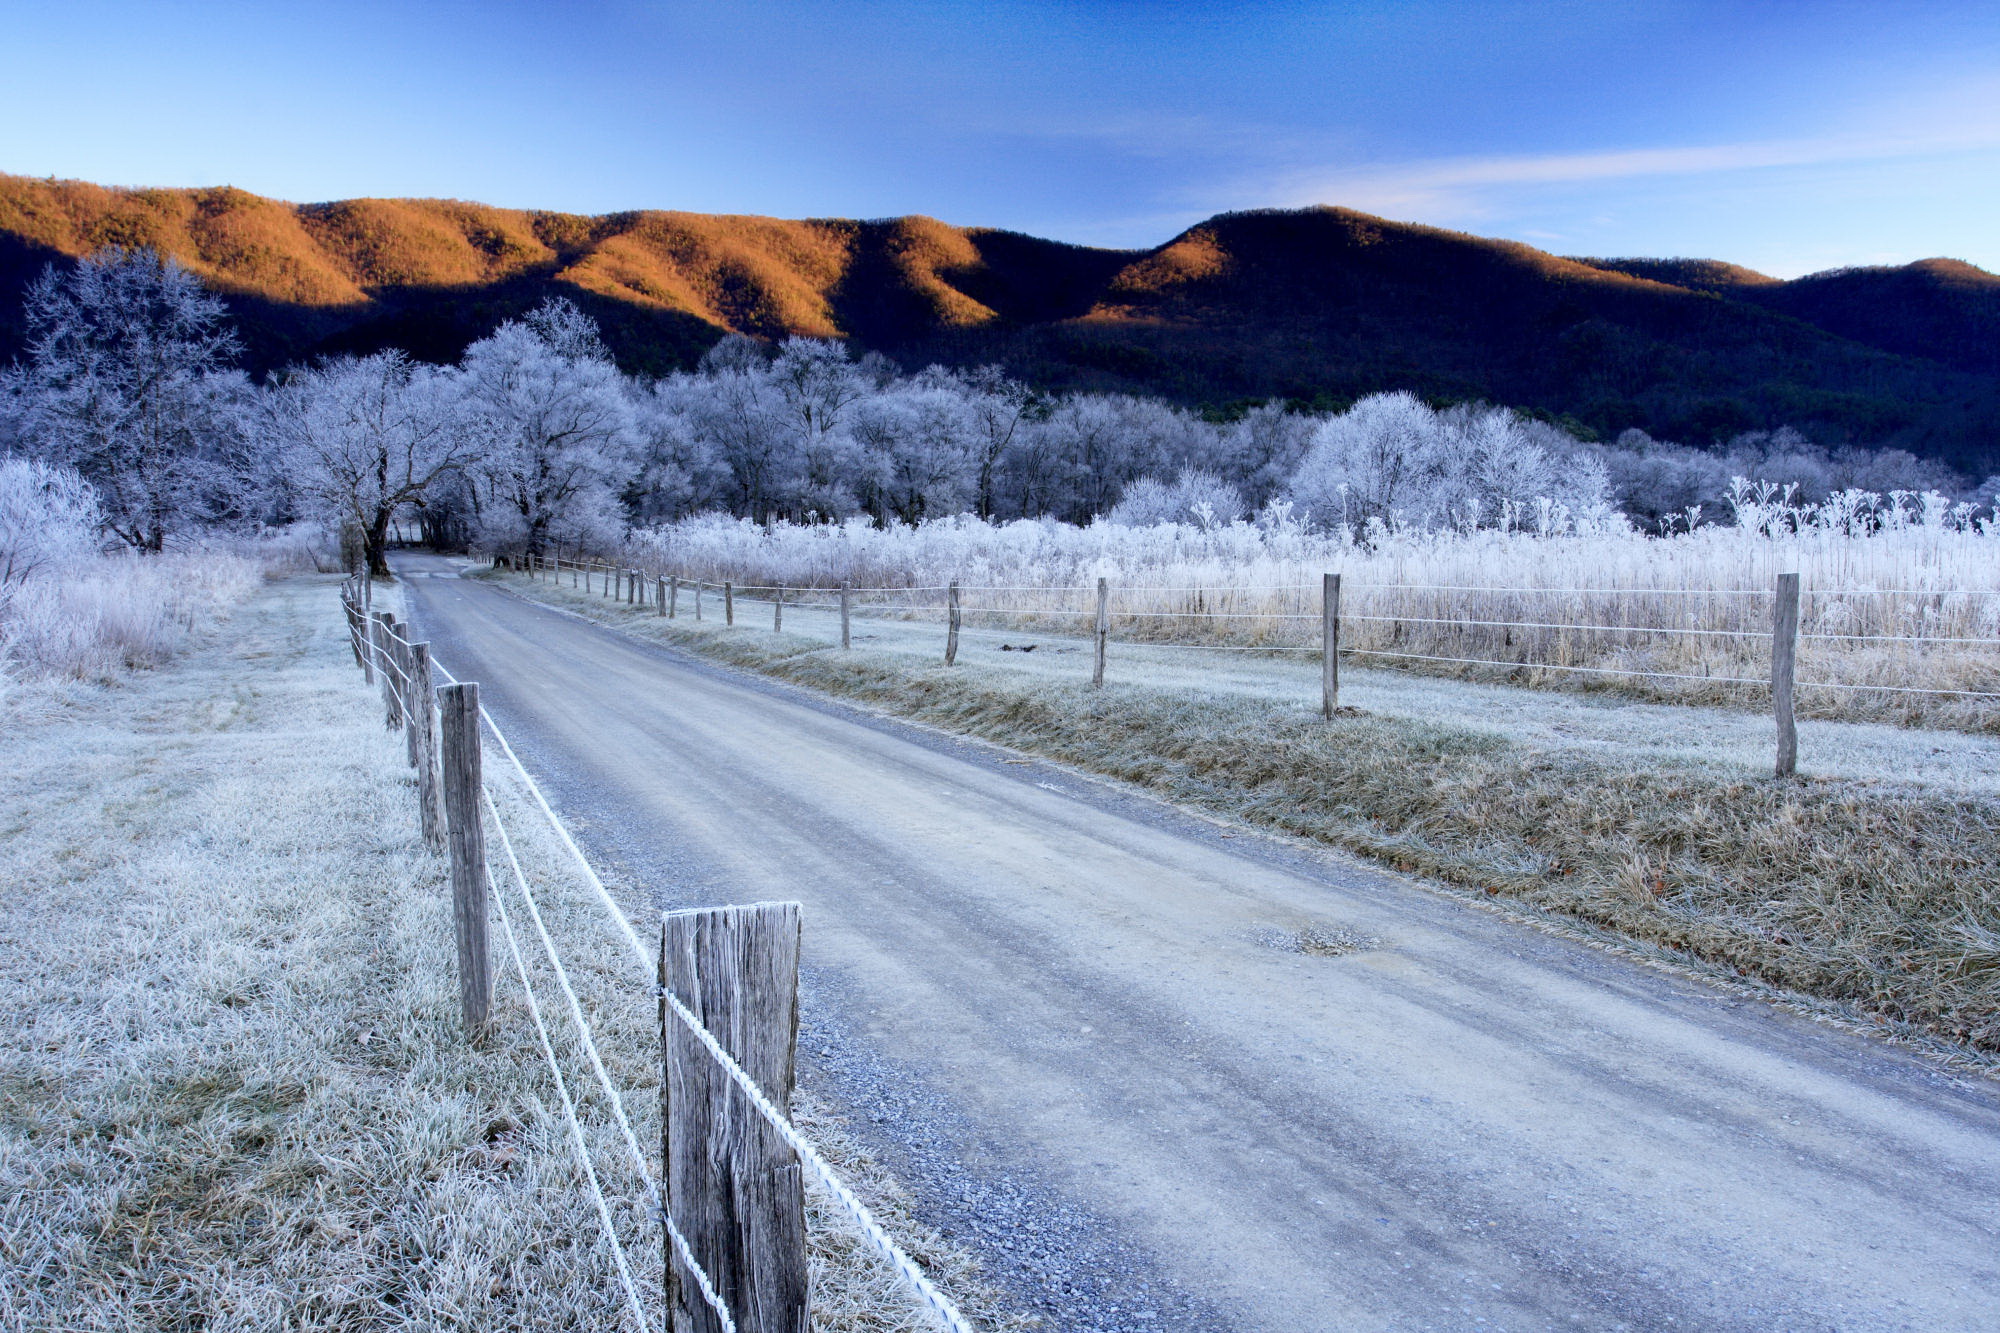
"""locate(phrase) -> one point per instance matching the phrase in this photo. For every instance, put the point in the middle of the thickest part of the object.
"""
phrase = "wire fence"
(1936, 649)
(389, 653)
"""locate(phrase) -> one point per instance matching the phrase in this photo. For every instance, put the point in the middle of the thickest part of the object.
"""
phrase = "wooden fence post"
(673, 597)
(424, 737)
(844, 598)
(728, 602)
(1329, 644)
(1103, 630)
(458, 718)
(733, 1185)
(778, 611)
(367, 644)
(385, 627)
(406, 689)
(660, 595)
(1784, 668)
(951, 619)
(698, 586)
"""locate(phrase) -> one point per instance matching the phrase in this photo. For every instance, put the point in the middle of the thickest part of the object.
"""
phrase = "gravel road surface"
(1165, 1075)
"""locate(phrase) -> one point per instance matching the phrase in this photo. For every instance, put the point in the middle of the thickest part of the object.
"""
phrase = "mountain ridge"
(1320, 305)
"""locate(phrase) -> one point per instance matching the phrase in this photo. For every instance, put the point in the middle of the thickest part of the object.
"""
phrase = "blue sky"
(1787, 136)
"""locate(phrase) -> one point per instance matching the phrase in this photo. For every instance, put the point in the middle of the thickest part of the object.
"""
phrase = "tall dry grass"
(92, 620)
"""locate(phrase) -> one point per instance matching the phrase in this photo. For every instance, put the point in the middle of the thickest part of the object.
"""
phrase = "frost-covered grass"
(1908, 598)
(1873, 896)
(233, 1089)
(94, 620)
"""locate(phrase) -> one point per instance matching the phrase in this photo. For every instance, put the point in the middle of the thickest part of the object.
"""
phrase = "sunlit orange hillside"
(1316, 304)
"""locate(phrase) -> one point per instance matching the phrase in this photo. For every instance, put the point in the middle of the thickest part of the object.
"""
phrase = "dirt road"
(1171, 1077)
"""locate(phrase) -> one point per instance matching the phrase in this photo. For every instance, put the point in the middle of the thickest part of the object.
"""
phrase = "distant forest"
(1317, 308)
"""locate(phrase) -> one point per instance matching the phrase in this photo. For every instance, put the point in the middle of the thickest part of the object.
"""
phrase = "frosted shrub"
(48, 516)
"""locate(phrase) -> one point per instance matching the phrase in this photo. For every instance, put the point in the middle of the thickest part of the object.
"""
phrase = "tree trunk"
(375, 546)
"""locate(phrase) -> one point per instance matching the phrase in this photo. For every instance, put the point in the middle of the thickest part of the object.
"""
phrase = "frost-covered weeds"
(1873, 896)
(95, 619)
(1908, 577)
(69, 612)
(234, 1093)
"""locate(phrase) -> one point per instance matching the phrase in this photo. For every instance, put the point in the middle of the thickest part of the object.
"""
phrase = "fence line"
(1784, 633)
(379, 651)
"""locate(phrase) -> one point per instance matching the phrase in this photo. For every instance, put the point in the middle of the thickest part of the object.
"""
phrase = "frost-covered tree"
(1099, 441)
(915, 448)
(998, 408)
(1263, 447)
(735, 410)
(129, 383)
(818, 386)
(558, 428)
(1392, 459)
(363, 438)
(48, 516)
(680, 470)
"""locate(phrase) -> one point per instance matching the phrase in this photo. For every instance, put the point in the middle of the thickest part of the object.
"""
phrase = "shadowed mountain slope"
(1320, 304)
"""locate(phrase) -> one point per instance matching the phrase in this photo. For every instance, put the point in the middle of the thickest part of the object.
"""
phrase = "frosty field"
(235, 1094)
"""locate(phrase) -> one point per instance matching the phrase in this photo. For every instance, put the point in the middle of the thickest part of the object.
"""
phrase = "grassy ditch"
(1876, 897)
(233, 1089)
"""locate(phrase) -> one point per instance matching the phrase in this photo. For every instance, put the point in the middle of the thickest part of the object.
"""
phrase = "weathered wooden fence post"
(458, 717)
(733, 1183)
(385, 629)
(951, 620)
(698, 586)
(1784, 669)
(1103, 631)
(778, 611)
(1329, 644)
(674, 597)
(660, 595)
(844, 607)
(728, 602)
(406, 691)
(367, 643)
(424, 738)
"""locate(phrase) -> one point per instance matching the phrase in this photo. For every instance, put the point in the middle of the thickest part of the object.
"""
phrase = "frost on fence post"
(674, 597)
(951, 624)
(384, 626)
(1329, 645)
(728, 602)
(424, 726)
(1103, 630)
(778, 611)
(458, 725)
(733, 1184)
(844, 599)
(1784, 667)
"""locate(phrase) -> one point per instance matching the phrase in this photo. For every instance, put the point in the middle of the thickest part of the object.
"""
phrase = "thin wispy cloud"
(1461, 185)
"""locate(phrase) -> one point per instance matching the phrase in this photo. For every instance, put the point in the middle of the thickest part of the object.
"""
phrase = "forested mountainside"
(1321, 305)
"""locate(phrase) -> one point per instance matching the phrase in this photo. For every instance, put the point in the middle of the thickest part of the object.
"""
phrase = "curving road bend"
(1166, 1076)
